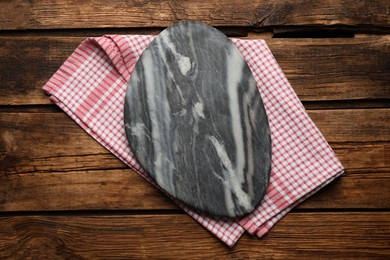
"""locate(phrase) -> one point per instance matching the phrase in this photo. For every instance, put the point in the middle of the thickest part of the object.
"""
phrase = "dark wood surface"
(62, 195)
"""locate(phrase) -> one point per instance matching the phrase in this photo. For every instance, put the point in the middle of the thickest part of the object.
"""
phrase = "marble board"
(195, 121)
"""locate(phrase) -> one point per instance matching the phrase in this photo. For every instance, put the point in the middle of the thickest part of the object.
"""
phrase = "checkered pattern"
(90, 87)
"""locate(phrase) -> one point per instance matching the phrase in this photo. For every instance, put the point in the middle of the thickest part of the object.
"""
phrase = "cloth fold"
(90, 87)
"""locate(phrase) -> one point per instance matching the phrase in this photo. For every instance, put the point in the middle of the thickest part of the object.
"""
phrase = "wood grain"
(43, 170)
(53, 14)
(360, 138)
(299, 235)
(318, 69)
(125, 190)
(45, 142)
(335, 69)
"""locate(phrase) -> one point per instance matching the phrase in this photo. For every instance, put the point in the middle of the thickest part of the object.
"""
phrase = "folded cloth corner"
(90, 87)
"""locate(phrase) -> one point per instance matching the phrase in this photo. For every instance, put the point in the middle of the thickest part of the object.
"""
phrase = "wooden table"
(63, 195)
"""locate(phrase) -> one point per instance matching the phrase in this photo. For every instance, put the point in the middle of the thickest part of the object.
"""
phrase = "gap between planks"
(309, 105)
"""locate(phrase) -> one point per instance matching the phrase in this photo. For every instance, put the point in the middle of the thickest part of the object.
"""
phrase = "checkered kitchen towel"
(90, 87)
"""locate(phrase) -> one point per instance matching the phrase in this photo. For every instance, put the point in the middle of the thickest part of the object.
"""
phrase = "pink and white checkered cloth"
(90, 87)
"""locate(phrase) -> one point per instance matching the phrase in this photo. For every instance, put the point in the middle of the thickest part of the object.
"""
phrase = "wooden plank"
(125, 190)
(299, 235)
(46, 142)
(318, 69)
(44, 170)
(53, 14)
(353, 191)
(353, 125)
(363, 157)
(27, 146)
(27, 64)
(335, 69)
(80, 190)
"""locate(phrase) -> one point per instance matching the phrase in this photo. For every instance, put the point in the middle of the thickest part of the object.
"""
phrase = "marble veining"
(196, 123)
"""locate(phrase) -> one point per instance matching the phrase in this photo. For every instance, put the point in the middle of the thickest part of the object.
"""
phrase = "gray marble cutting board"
(196, 122)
